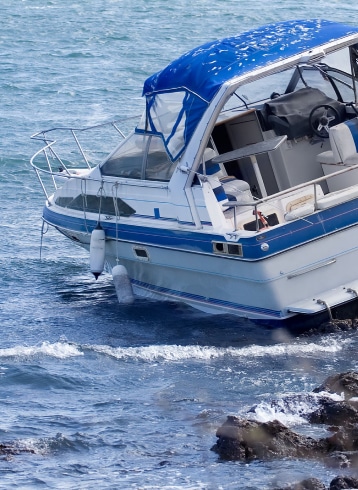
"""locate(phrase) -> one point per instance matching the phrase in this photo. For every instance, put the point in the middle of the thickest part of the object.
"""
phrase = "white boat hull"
(305, 278)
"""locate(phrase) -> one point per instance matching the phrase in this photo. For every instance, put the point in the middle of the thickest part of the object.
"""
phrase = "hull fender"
(97, 251)
(122, 285)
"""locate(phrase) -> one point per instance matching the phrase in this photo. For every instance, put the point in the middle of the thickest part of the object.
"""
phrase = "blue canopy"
(187, 85)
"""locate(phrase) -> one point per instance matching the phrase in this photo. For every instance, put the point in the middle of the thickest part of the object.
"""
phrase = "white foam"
(172, 353)
(60, 350)
(289, 349)
(159, 352)
(291, 409)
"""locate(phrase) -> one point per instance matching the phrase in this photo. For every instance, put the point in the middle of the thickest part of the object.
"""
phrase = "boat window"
(141, 156)
(158, 164)
(259, 90)
(354, 60)
(332, 76)
(95, 204)
(339, 60)
(166, 116)
(127, 160)
(334, 83)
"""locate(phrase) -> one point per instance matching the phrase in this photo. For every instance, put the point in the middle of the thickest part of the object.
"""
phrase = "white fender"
(122, 285)
(97, 250)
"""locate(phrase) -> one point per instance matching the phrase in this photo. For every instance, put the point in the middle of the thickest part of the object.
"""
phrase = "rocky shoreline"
(246, 439)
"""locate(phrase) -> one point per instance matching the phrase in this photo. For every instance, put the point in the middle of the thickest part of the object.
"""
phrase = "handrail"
(113, 123)
(49, 150)
(273, 197)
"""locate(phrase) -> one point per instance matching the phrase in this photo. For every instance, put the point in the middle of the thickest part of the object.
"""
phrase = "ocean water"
(94, 394)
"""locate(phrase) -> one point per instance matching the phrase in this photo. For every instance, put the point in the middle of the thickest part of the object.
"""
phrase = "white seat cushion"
(344, 140)
(326, 157)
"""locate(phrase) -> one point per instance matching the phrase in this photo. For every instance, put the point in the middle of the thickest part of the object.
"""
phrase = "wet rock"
(338, 483)
(344, 440)
(342, 460)
(11, 449)
(342, 482)
(333, 326)
(308, 484)
(242, 440)
(346, 383)
(334, 413)
(246, 439)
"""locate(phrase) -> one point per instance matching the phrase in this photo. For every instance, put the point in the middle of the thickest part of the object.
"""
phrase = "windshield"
(140, 157)
(333, 76)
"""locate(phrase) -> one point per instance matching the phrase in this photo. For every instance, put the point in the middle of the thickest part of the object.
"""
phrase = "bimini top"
(178, 95)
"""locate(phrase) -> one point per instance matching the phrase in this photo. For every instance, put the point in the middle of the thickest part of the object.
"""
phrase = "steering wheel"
(323, 117)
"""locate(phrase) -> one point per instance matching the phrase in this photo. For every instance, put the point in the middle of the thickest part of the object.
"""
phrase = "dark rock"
(308, 484)
(333, 326)
(340, 460)
(240, 439)
(342, 482)
(333, 412)
(243, 440)
(344, 440)
(10, 449)
(346, 383)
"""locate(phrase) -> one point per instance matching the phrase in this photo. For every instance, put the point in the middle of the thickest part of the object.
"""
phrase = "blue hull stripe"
(280, 239)
(208, 301)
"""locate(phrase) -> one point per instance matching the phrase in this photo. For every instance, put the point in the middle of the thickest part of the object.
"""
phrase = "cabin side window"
(158, 165)
(140, 157)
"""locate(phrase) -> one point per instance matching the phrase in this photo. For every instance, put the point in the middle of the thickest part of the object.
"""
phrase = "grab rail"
(273, 197)
(63, 171)
(53, 159)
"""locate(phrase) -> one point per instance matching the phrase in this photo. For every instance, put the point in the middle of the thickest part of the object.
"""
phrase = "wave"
(47, 445)
(290, 409)
(59, 350)
(173, 353)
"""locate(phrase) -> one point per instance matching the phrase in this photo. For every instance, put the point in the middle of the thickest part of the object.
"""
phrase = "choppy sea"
(94, 395)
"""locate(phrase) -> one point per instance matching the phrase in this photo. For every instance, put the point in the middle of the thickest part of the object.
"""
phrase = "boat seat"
(343, 139)
(226, 188)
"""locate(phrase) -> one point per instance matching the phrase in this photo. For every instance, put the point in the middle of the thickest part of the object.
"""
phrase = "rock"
(341, 459)
(344, 440)
(244, 440)
(346, 383)
(342, 482)
(11, 449)
(308, 484)
(334, 412)
(333, 326)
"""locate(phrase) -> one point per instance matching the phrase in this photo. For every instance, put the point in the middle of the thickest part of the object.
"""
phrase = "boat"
(237, 190)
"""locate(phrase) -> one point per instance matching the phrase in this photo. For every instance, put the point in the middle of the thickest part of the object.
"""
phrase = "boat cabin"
(272, 134)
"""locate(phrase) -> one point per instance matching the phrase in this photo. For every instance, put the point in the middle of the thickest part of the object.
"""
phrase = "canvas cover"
(178, 95)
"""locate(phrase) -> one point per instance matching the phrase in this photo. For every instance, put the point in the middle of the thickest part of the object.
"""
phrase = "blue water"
(94, 394)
